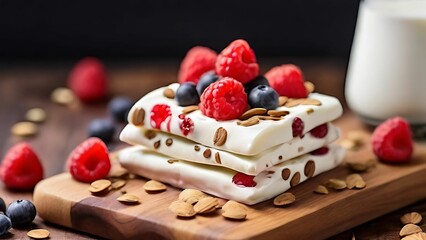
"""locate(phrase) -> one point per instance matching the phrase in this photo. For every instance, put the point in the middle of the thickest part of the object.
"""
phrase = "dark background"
(148, 29)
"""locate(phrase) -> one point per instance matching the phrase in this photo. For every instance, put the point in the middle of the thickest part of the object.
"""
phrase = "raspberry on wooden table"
(237, 61)
(21, 168)
(88, 80)
(224, 100)
(392, 141)
(90, 161)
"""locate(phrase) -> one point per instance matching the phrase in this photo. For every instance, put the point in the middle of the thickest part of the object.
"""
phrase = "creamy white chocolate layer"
(218, 181)
(182, 148)
(243, 140)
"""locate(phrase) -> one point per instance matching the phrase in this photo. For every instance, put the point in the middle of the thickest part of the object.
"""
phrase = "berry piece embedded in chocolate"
(102, 128)
(119, 107)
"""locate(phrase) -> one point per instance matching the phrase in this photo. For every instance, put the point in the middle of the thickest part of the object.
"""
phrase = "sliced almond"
(282, 100)
(129, 199)
(189, 109)
(252, 112)
(36, 115)
(169, 93)
(154, 186)
(348, 144)
(413, 218)
(336, 184)
(292, 102)
(284, 199)
(118, 184)
(206, 205)
(38, 233)
(357, 137)
(118, 173)
(310, 87)
(269, 118)
(409, 229)
(355, 181)
(191, 196)
(235, 213)
(150, 134)
(233, 204)
(278, 113)
(137, 116)
(24, 129)
(63, 96)
(99, 186)
(361, 166)
(311, 101)
(416, 236)
(320, 189)
(220, 136)
(249, 122)
(182, 209)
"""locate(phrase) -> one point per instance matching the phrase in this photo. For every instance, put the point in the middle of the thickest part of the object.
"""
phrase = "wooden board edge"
(50, 207)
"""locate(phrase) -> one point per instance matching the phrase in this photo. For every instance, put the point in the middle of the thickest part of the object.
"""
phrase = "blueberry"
(102, 128)
(187, 95)
(259, 80)
(2, 205)
(205, 80)
(5, 224)
(21, 213)
(263, 97)
(119, 107)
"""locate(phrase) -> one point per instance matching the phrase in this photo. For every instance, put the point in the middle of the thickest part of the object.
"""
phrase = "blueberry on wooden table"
(5, 224)
(2, 205)
(119, 107)
(21, 213)
(102, 128)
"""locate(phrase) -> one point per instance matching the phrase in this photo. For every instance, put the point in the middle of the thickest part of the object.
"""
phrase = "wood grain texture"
(312, 216)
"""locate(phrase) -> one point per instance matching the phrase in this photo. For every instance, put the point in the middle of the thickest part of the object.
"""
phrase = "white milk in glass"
(387, 67)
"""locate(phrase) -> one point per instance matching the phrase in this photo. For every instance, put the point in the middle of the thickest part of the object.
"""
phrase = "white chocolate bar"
(218, 181)
(243, 140)
(182, 148)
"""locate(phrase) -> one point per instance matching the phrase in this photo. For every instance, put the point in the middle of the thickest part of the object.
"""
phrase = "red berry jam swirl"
(243, 180)
(161, 113)
(187, 125)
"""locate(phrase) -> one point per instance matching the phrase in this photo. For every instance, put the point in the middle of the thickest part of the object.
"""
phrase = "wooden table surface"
(27, 85)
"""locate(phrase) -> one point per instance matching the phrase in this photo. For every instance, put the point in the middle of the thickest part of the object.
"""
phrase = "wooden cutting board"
(66, 202)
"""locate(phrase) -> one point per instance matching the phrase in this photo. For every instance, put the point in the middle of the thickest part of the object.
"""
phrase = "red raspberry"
(197, 61)
(297, 126)
(89, 161)
(241, 179)
(392, 141)
(224, 100)
(320, 131)
(237, 61)
(88, 80)
(287, 80)
(21, 168)
(320, 151)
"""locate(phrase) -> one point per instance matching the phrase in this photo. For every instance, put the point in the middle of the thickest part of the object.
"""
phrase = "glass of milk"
(387, 68)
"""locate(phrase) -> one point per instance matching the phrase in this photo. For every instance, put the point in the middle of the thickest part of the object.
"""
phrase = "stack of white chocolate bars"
(251, 159)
